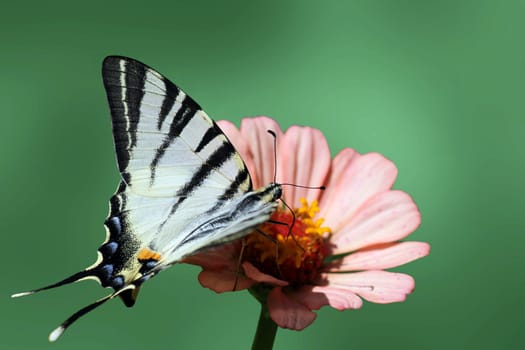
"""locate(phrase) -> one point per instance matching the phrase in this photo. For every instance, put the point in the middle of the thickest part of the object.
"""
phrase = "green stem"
(266, 330)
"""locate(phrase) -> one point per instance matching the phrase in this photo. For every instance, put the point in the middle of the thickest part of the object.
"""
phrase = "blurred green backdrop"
(435, 86)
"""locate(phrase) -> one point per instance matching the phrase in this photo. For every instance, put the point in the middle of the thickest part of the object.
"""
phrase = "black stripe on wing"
(125, 80)
(220, 156)
(169, 100)
(184, 115)
(243, 177)
(208, 136)
(124, 83)
(128, 84)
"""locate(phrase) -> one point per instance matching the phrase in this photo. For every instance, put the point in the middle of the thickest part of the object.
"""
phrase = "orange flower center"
(294, 255)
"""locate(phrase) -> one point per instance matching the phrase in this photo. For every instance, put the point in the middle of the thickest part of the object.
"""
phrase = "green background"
(437, 86)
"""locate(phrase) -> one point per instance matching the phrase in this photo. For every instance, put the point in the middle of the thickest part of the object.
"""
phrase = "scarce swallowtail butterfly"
(183, 185)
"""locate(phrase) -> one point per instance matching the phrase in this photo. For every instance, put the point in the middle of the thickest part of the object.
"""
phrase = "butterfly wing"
(184, 186)
(166, 145)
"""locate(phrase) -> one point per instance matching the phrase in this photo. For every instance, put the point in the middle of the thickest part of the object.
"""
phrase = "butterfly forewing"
(162, 137)
(177, 166)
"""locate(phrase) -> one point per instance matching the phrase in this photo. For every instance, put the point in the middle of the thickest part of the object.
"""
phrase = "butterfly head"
(271, 193)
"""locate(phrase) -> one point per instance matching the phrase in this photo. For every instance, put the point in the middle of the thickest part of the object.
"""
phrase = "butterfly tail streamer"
(57, 332)
(71, 279)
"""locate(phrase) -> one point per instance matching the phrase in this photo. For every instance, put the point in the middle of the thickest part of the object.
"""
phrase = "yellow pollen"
(300, 250)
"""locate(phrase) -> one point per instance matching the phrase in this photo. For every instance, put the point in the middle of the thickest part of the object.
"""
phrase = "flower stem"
(266, 330)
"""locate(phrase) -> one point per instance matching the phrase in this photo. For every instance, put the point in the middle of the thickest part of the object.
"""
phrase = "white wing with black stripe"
(180, 172)
(162, 137)
(184, 187)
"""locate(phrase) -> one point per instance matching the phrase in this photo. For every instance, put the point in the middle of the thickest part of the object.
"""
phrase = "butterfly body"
(183, 188)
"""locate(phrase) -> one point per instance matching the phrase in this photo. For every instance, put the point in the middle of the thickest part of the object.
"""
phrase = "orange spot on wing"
(146, 254)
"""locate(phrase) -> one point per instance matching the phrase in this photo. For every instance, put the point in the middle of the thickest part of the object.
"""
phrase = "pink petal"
(260, 142)
(224, 281)
(220, 257)
(239, 142)
(288, 313)
(314, 297)
(221, 271)
(387, 217)
(380, 257)
(256, 275)
(375, 286)
(304, 159)
(339, 165)
(352, 185)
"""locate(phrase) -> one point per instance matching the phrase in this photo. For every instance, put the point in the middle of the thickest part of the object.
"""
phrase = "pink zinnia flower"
(343, 238)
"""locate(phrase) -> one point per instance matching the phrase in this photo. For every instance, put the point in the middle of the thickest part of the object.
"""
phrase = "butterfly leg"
(276, 242)
(239, 261)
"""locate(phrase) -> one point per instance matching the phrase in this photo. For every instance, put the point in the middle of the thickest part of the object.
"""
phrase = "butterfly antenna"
(271, 132)
(71, 279)
(322, 188)
(290, 227)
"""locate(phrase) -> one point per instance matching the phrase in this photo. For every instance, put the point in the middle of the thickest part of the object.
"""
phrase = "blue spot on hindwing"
(117, 282)
(150, 264)
(108, 249)
(114, 225)
(106, 271)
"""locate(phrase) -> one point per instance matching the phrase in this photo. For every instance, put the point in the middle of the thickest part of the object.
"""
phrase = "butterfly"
(183, 188)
